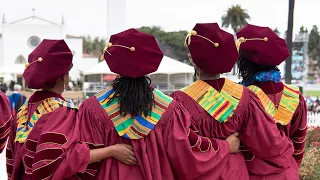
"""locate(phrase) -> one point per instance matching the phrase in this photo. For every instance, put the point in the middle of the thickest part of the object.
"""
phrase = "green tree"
(175, 40)
(98, 46)
(276, 31)
(236, 17)
(303, 30)
(288, 75)
(155, 31)
(87, 45)
(314, 43)
(171, 43)
(93, 47)
(285, 35)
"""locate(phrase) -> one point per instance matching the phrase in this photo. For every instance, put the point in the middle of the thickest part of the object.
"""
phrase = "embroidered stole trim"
(220, 105)
(266, 102)
(127, 126)
(26, 125)
(287, 107)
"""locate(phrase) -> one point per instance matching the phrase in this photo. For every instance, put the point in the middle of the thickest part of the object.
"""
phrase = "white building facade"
(19, 38)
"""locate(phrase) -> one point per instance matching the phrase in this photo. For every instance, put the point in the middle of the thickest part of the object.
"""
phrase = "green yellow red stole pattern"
(287, 107)
(220, 105)
(25, 125)
(133, 127)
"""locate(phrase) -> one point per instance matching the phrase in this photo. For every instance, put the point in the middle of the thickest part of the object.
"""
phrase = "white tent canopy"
(75, 73)
(12, 69)
(171, 66)
(100, 68)
(233, 78)
(167, 66)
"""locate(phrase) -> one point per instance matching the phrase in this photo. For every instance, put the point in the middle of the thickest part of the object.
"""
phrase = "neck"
(216, 83)
(209, 77)
(270, 87)
(55, 90)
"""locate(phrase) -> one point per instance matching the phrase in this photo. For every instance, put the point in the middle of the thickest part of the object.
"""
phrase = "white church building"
(19, 38)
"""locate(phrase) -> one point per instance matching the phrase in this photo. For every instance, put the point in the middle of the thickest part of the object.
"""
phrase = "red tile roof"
(71, 36)
(85, 55)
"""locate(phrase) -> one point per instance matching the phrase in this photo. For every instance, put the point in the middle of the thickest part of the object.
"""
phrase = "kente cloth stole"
(287, 107)
(220, 105)
(133, 127)
(26, 125)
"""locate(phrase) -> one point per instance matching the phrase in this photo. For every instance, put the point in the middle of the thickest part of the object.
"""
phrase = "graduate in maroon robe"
(131, 111)
(220, 107)
(44, 140)
(5, 120)
(258, 68)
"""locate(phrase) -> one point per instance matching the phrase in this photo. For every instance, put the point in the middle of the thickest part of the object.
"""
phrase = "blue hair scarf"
(266, 76)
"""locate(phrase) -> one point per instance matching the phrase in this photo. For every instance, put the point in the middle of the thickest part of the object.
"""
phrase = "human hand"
(124, 153)
(234, 142)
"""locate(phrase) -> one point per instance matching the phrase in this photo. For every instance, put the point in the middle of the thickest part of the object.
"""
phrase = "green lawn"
(312, 93)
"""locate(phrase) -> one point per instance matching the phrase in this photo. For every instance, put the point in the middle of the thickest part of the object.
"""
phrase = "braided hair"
(135, 95)
(247, 69)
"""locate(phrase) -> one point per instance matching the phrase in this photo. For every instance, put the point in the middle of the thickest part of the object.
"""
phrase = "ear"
(196, 68)
(64, 77)
(190, 59)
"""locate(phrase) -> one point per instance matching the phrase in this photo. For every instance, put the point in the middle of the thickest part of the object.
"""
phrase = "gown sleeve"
(298, 131)
(10, 153)
(59, 152)
(90, 135)
(191, 155)
(259, 133)
(5, 120)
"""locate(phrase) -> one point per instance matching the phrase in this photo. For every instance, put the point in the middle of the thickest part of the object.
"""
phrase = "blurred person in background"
(3, 88)
(11, 88)
(16, 99)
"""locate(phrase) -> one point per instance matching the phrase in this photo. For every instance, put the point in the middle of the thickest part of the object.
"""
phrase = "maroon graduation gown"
(52, 149)
(268, 153)
(5, 120)
(296, 130)
(169, 151)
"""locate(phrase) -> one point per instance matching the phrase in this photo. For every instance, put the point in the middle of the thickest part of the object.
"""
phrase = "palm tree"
(236, 17)
(276, 31)
(288, 76)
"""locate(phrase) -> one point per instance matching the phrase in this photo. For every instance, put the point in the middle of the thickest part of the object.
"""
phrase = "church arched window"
(20, 60)
(33, 41)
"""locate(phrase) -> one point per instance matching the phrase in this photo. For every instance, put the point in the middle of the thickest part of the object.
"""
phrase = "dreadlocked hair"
(247, 69)
(135, 95)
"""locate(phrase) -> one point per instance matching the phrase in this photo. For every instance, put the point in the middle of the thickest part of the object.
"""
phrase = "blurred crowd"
(76, 102)
(313, 104)
(17, 97)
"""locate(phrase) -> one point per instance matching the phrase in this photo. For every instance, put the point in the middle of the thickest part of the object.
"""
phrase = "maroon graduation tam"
(212, 49)
(132, 54)
(50, 61)
(261, 45)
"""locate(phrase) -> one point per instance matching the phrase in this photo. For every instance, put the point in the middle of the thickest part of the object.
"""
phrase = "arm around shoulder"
(191, 155)
(60, 153)
(299, 130)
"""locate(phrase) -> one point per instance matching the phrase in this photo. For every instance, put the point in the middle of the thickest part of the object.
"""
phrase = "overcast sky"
(90, 17)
